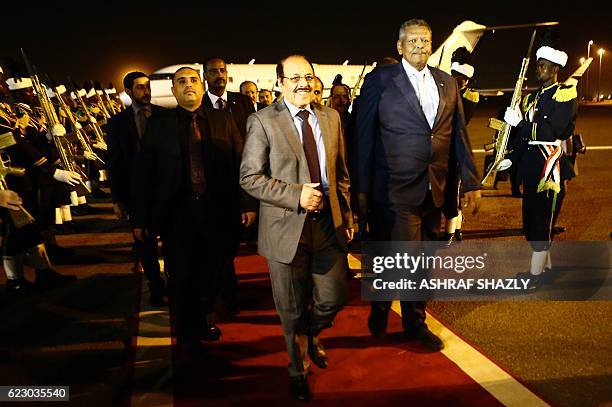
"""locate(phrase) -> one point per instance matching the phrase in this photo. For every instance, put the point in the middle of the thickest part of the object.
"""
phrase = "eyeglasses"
(413, 41)
(296, 79)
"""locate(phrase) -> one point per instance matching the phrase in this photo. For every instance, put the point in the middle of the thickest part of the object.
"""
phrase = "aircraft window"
(158, 76)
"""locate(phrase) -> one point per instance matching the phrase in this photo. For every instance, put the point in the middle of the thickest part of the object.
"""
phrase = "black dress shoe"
(458, 235)
(19, 286)
(377, 324)
(316, 352)
(557, 230)
(428, 339)
(299, 387)
(534, 282)
(211, 333)
(448, 239)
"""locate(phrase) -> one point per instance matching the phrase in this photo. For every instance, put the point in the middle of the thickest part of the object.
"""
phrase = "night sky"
(106, 41)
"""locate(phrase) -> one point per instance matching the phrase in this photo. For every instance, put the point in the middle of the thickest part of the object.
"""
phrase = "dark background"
(105, 40)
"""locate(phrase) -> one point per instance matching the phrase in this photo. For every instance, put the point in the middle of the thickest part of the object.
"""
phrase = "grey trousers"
(309, 292)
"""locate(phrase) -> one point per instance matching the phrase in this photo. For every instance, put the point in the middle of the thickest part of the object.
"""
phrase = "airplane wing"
(467, 34)
(573, 78)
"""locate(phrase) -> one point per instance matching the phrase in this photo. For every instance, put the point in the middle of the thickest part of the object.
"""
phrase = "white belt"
(555, 143)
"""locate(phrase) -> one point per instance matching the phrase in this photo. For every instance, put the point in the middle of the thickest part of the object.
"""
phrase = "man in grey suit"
(294, 162)
(410, 138)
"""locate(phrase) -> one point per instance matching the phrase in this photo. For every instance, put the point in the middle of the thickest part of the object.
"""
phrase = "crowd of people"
(294, 176)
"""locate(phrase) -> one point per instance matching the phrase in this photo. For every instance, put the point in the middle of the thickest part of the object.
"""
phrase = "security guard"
(543, 120)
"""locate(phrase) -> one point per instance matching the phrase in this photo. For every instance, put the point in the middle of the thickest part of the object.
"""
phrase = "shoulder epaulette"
(565, 93)
(471, 95)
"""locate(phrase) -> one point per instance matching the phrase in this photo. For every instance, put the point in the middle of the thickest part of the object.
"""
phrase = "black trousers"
(392, 222)
(195, 254)
(146, 253)
(539, 214)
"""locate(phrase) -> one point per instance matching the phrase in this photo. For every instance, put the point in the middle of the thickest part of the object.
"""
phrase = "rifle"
(503, 129)
(21, 217)
(93, 123)
(55, 128)
(78, 129)
(106, 99)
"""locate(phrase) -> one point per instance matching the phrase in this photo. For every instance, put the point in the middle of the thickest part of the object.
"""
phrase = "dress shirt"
(316, 129)
(430, 99)
(214, 98)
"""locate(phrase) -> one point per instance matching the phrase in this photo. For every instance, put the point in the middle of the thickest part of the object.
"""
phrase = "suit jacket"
(123, 144)
(163, 177)
(260, 106)
(398, 153)
(274, 168)
(240, 106)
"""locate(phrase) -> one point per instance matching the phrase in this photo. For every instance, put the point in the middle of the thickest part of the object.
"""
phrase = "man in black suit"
(186, 190)
(249, 89)
(125, 132)
(240, 107)
(410, 131)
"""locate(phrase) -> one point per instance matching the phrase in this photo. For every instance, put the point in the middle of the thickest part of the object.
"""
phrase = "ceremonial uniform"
(549, 117)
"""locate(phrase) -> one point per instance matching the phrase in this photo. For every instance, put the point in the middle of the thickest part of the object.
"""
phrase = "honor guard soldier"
(463, 72)
(545, 118)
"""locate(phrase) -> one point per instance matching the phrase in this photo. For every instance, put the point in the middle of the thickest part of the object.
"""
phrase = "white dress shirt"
(426, 90)
(316, 129)
(214, 98)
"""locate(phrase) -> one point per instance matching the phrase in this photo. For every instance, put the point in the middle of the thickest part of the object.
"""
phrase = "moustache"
(308, 89)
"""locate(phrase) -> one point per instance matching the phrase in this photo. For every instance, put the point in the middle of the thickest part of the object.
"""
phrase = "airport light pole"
(587, 72)
(581, 90)
(600, 52)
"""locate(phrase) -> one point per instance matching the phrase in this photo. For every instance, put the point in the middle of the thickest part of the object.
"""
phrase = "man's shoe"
(533, 282)
(428, 339)
(211, 333)
(448, 239)
(458, 235)
(299, 387)
(316, 352)
(377, 324)
(19, 286)
(49, 278)
(557, 230)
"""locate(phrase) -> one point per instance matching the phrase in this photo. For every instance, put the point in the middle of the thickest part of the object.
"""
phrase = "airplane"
(467, 34)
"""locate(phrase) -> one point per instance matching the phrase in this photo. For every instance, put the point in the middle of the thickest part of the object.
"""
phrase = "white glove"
(68, 177)
(93, 119)
(89, 156)
(58, 130)
(100, 146)
(78, 126)
(513, 116)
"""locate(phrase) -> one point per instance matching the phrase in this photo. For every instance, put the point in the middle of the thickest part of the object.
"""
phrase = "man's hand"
(10, 199)
(139, 234)
(69, 177)
(120, 210)
(248, 218)
(513, 116)
(349, 233)
(311, 198)
(472, 198)
(362, 205)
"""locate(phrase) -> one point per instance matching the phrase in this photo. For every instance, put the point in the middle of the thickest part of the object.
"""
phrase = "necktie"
(198, 180)
(310, 148)
(141, 122)
(425, 100)
(221, 104)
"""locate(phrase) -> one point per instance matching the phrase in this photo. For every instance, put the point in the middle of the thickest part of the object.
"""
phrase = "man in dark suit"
(410, 131)
(125, 131)
(186, 190)
(240, 107)
(249, 88)
(294, 162)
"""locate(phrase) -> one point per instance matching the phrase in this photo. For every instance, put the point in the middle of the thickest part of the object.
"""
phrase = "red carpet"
(248, 365)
